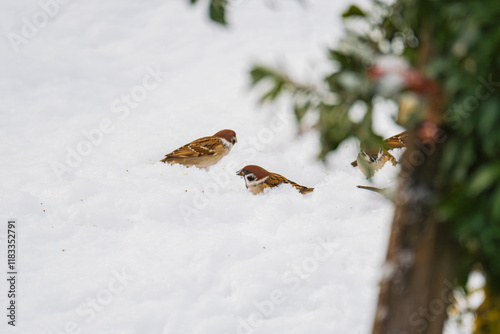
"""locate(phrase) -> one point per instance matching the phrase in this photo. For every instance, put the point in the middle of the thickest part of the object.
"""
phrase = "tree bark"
(418, 281)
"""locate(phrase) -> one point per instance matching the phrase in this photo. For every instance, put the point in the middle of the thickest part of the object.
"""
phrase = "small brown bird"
(257, 179)
(370, 162)
(203, 152)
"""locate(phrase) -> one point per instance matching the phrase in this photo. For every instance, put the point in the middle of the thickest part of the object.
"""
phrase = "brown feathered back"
(396, 141)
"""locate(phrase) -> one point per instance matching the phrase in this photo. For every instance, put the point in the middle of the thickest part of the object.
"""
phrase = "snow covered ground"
(110, 240)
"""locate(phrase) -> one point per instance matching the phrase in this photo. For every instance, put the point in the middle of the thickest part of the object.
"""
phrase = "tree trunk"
(418, 281)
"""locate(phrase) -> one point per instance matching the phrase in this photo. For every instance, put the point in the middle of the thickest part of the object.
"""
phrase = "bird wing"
(201, 147)
(396, 141)
(275, 180)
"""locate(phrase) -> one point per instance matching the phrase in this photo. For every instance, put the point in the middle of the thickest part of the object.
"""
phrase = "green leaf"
(489, 118)
(344, 60)
(301, 109)
(353, 11)
(484, 178)
(495, 205)
(218, 11)
(273, 93)
(259, 73)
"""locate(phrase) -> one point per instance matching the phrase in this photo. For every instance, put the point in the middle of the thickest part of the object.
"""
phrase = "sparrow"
(257, 179)
(370, 162)
(203, 152)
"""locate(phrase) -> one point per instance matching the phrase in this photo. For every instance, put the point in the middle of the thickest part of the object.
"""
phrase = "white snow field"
(110, 240)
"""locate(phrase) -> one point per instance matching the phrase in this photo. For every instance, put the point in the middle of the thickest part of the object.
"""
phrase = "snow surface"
(110, 240)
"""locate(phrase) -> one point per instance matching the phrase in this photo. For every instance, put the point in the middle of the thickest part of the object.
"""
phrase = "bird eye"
(250, 177)
(233, 141)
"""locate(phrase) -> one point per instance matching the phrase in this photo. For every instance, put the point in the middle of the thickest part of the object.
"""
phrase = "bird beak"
(240, 173)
